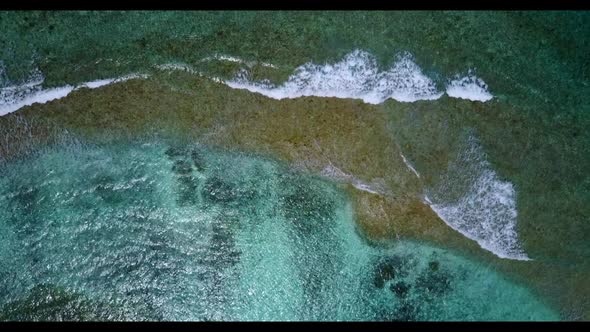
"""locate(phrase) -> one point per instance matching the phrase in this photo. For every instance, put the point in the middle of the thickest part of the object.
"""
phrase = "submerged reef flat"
(396, 165)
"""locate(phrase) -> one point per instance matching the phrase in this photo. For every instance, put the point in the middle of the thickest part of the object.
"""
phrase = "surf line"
(11, 101)
(409, 165)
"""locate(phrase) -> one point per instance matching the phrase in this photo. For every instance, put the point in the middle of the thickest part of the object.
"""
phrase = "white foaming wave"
(229, 58)
(97, 83)
(335, 173)
(486, 213)
(13, 98)
(410, 167)
(469, 87)
(365, 187)
(187, 68)
(356, 76)
(180, 67)
(107, 81)
(10, 103)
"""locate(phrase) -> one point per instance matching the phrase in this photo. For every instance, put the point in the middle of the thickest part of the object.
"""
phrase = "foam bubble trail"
(229, 58)
(10, 102)
(180, 67)
(188, 69)
(469, 87)
(335, 173)
(356, 76)
(103, 82)
(410, 167)
(13, 98)
(486, 212)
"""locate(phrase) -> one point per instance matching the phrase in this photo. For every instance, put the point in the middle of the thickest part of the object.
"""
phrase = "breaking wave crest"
(358, 76)
(15, 97)
(486, 210)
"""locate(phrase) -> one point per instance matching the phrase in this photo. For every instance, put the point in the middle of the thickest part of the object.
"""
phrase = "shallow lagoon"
(165, 231)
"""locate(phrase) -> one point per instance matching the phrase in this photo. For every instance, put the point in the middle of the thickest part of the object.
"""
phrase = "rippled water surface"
(183, 232)
(339, 165)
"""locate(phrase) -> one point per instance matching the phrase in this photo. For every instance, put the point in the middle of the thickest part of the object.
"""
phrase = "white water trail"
(410, 167)
(469, 87)
(15, 97)
(356, 76)
(486, 211)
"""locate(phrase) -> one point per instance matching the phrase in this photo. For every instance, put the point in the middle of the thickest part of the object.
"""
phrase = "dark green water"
(529, 56)
(136, 230)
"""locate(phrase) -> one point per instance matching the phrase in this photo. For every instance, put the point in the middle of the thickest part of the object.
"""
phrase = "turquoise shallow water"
(184, 232)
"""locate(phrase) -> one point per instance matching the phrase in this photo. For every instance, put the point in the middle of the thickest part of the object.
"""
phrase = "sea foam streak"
(486, 212)
(469, 87)
(356, 76)
(410, 167)
(335, 173)
(15, 97)
(229, 58)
